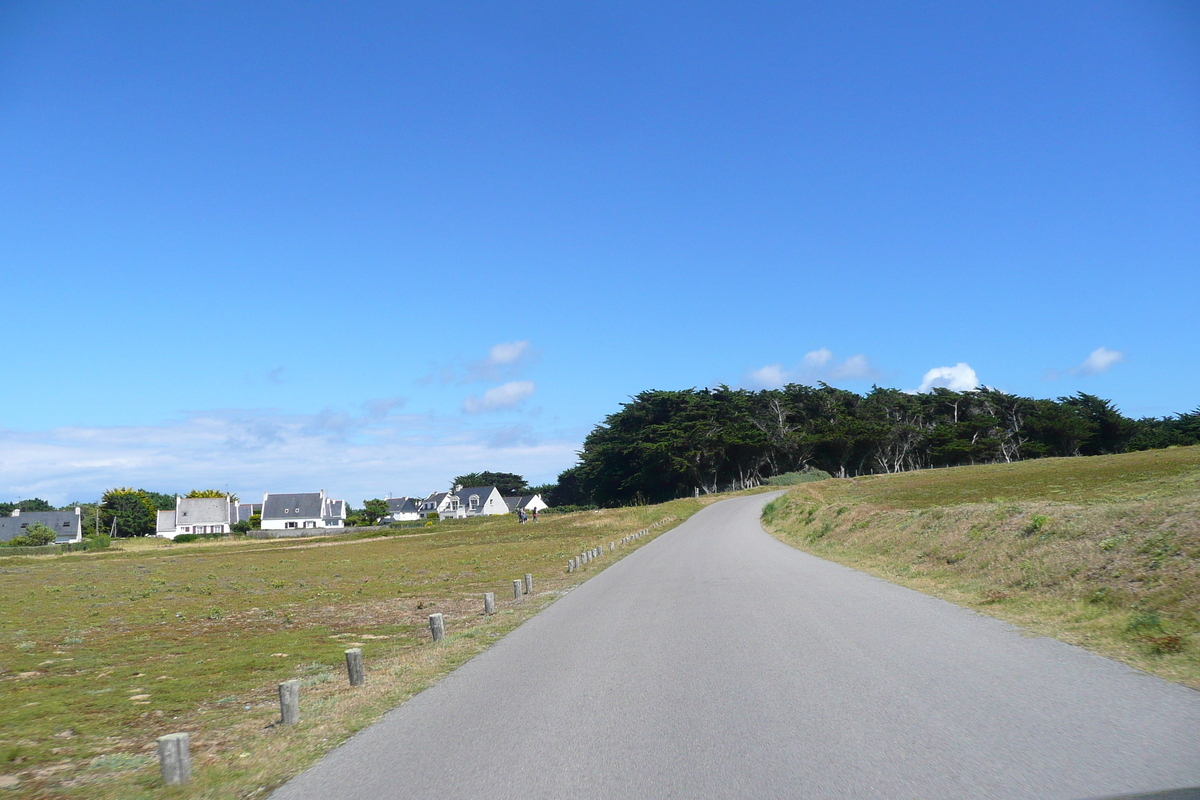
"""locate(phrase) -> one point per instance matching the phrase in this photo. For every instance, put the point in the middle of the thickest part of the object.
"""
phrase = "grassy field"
(1102, 552)
(101, 653)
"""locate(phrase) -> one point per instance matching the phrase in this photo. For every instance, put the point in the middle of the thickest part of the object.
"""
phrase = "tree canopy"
(508, 483)
(211, 493)
(666, 444)
(128, 512)
(32, 504)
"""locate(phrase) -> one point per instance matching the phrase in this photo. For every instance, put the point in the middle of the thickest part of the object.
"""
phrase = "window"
(286, 510)
(289, 524)
(308, 523)
(66, 524)
(474, 501)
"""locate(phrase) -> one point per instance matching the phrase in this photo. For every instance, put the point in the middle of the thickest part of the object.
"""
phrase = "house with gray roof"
(402, 509)
(197, 515)
(530, 502)
(444, 504)
(481, 501)
(302, 510)
(67, 525)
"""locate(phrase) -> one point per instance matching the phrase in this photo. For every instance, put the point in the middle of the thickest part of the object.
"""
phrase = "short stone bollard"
(489, 603)
(528, 583)
(437, 627)
(354, 666)
(517, 589)
(289, 702)
(571, 565)
(612, 546)
(174, 760)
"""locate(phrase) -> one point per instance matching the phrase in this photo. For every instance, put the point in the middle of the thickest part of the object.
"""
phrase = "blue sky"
(367, 247)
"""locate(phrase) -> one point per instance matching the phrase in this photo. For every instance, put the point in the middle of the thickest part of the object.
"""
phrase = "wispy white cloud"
(250, 452)
(816, 365)
(507, 395)
(1101, 360)
(959, 378)
(504, 361)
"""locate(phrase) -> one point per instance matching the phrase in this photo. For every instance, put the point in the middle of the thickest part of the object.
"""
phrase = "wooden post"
(354, 666)
(174, 759)
(289, 702)
(489, 603)
(528, 583)
(516, 589)
(437, 627)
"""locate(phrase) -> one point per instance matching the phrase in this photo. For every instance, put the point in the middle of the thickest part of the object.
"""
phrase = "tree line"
(667, 444)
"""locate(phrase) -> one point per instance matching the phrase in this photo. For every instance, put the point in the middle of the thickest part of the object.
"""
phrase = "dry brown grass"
(1100, 552)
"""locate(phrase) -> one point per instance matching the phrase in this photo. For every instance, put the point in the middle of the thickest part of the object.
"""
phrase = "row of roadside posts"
(174, 756)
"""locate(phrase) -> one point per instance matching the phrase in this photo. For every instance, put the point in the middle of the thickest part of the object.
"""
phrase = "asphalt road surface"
(718, 662)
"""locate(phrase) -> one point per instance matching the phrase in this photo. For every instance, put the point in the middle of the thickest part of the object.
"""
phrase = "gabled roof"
(306, 505)
(337, 509)
(65, 524)
(402, 505)
(518, 502)
(202, 511)
(165, 522)
(484, 492)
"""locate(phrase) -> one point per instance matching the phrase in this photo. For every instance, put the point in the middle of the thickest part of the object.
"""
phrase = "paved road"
(718, 662)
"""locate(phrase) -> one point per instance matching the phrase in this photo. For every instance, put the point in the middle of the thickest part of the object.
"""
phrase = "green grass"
(1100, 552)
(101, 653)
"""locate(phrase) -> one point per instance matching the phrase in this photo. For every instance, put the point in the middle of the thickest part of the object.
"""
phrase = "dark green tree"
(128, 512)
(509, 484)
(32, 504)
(374, 510)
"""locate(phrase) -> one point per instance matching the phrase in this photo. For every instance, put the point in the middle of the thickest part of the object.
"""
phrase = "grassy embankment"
(100, 653)
(1101, 552)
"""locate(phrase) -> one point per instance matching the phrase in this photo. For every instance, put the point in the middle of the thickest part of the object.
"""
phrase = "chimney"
(16, 512)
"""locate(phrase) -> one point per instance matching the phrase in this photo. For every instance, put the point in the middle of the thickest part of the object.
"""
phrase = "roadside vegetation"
(102, 652)
(1101, 551)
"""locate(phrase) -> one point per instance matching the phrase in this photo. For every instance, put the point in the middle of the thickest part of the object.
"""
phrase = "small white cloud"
(768, 377)
(815, 359)
(500, 397)
(959, 378)
(1101, 360)
(507, 352)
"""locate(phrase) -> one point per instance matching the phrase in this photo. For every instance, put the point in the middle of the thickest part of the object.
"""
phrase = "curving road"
(718, 662)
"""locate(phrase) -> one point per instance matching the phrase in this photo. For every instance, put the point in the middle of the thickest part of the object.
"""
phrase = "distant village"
(291, 514)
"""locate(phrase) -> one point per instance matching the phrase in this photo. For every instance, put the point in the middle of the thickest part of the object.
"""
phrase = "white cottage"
(197, 515)
(304, 510)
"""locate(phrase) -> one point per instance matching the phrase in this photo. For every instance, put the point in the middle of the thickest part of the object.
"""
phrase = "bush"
(432, 516)
(186, 537)
(36, 535)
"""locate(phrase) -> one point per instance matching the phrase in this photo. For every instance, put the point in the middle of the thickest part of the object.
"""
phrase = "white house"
(444, 504)
(197, 515)
(472, 501)
(481, 501)
(402, 509)
(304, 510)
(67, 525)
(530, 502)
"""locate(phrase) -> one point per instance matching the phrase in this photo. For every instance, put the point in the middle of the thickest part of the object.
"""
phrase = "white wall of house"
(536, 503)
(482, 503)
